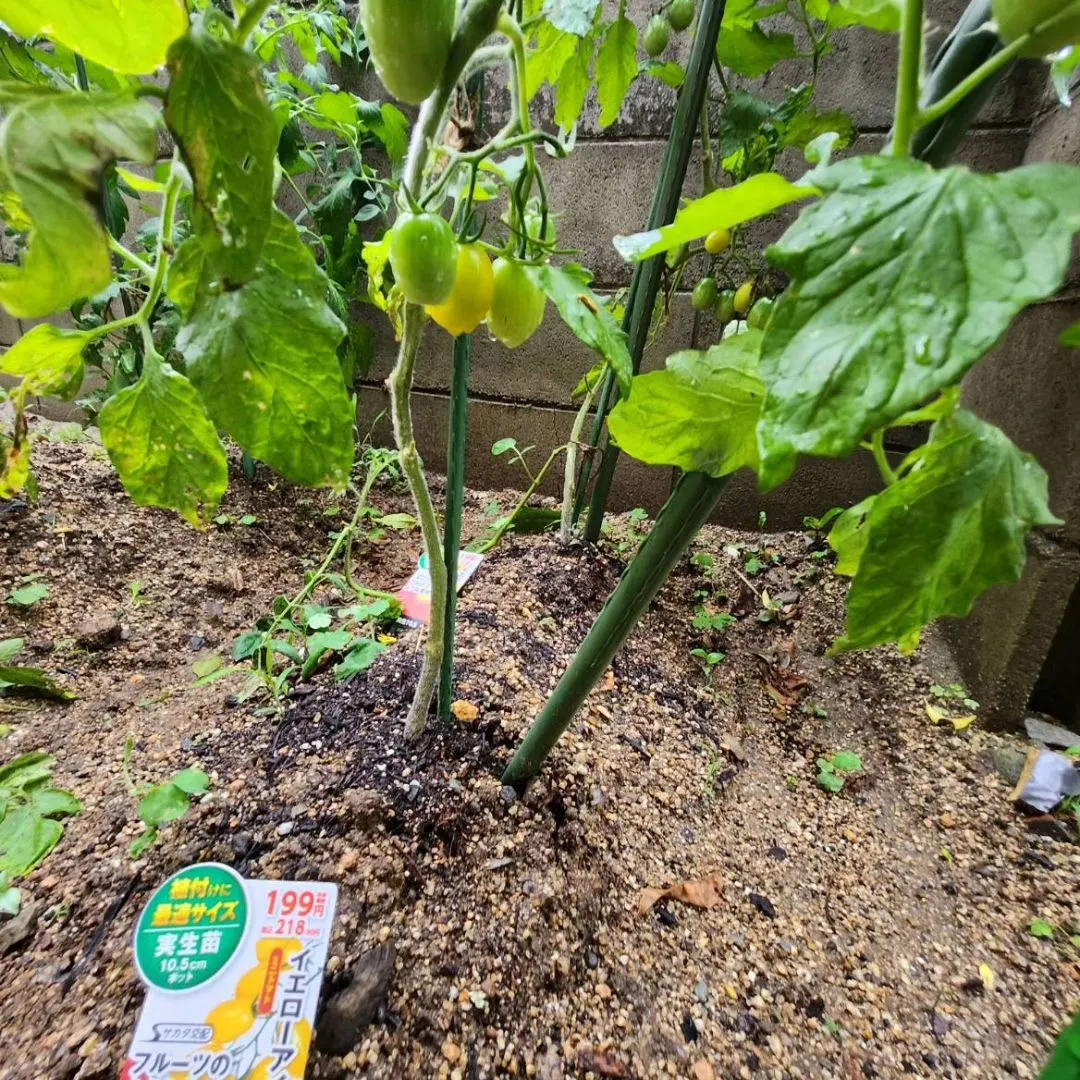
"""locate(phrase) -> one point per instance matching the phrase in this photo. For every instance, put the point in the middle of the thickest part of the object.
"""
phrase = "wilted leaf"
(701, 893)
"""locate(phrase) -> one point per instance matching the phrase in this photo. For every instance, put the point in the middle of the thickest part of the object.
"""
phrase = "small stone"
(1051, 735)
(196, 642)
(285, 828)
(948, 821)
(350, 1011)
(851, 836)
(451, 1051)
(507, 794)
(702, 1070)
(99, 632)
(603, 991)
(701, 991)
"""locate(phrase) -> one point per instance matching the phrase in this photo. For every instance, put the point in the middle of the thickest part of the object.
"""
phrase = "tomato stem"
(992, 66)
(908, 77)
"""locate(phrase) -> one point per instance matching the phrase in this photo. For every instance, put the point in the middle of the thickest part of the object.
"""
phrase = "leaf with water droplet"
(903, 277)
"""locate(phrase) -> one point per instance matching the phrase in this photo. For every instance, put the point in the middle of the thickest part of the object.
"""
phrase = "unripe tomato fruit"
(704, 294)
(718, 241)
(470, 300)
(725, 307)
(1017, 17)
(744, 294)
(680, 14)
(517, 305)
(657, 35)
(759, 313)
(409, 43)
(423, 254)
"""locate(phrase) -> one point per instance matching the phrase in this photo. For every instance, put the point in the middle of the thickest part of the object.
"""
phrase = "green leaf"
(264, 357)
(616, 68)
(29, 595)
(849, 535)
(807, 126)
(9, 648)
(33, 682)
(829, 780)
(875, 14)
(567, 287)
(1063, 72)
(145, 840)
(161, 804)
(25, 839)
(247, 645)
(49, 361)
(10, 900)
(392, 128)
(572, 89)
(1040, 928)
(742, 118)
(164, 445)
(337, 106)
(544, 64)
(846, 761)
(720, 209)
(752, 52)
(358, 659)
(318, 645)
(1071, 336)
(227, 133)
(48, 801)
(192, 781)
(700, 414)
(53, 151)
(131, 36)
(950, 528)
(573, 16)
(318, 619)
(902, 278)
(503, 446)
(669, 73)
(26, 770)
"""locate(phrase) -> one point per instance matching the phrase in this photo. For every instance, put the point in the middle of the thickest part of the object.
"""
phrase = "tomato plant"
(901, 277)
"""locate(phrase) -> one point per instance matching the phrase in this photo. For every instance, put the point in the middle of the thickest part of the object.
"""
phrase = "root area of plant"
(879, 931)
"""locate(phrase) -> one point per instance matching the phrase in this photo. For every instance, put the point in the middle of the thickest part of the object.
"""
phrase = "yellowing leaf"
(986, 973)
(49, 360)
(465, 711)
(124, 35)
(936, 715)
(962, 723)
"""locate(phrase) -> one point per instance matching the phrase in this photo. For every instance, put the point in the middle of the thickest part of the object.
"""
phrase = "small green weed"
(161, 803)
(834, 770)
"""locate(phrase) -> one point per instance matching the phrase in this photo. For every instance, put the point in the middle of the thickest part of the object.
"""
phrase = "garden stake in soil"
(646, 281)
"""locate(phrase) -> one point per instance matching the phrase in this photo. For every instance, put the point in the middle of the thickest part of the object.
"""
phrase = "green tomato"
(409, 43)
(657, 35)
(680, 14)
(704, 295)
(423, 255)
(759, 313)
(1017, 17)
(517, 304)
(725, 307)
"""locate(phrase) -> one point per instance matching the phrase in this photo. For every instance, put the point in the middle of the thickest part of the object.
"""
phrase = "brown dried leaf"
(703, 893)
(703, 1070)
(602, 1064)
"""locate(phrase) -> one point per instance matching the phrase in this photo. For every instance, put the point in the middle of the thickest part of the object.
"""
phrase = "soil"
(881, 931)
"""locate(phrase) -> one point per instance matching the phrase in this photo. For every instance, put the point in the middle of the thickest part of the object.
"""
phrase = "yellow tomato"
(470, 299)
(744, 294)
(718, 241)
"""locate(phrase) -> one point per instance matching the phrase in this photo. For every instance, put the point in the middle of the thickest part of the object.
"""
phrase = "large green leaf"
(163, 444)
(752, 52)
(902, 278)
(264, 357)
(48, 360)
(163, 803)
(53, 150)
(950, 528)
(616, 69)
(545, 62)
(1064, 1063)
(720, 209)
(223, 124)
(572, 89)
(125, 35)
(567, 287)
(25, 839)
(699, 414)
(875, 14)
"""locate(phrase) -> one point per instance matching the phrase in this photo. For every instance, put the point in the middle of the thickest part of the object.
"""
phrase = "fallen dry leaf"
(602, 1064)
(986, 973)
(609, 680)
(703, 1070)
(465, 711)
(703, 893)
(962, 723)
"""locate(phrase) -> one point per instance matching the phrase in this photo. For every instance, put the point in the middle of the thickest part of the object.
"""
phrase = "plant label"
(233, 970)
(415, 595)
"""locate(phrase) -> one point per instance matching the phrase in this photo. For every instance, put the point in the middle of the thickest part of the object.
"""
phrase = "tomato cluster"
(458, 285)
(679, 15)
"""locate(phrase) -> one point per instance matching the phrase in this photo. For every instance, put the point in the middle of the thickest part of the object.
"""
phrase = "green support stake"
(455, 502)
(646, 282)
(690, 506)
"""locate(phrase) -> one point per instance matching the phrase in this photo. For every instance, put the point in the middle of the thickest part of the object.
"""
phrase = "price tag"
(233, 970)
